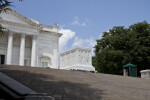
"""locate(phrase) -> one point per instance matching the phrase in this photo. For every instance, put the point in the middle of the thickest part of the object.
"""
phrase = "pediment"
(13, 16)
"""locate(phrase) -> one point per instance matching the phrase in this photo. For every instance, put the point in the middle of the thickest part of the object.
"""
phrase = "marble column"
(22, 50)
(33, 53)
(9, 48)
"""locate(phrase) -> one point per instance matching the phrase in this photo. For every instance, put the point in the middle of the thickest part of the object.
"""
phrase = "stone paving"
(76, 85)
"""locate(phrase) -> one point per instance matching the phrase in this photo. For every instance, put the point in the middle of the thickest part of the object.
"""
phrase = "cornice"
(51, 33)
(76, 49)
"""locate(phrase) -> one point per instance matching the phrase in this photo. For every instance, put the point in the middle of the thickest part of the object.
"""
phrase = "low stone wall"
(145, 74)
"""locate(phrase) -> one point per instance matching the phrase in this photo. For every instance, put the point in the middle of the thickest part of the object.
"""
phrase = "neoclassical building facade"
(26, 42)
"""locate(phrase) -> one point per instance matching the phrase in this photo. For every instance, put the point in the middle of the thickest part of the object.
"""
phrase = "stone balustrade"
(49, 28)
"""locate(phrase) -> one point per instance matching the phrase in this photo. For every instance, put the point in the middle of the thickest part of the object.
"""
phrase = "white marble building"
(78, 58)
(26, 42)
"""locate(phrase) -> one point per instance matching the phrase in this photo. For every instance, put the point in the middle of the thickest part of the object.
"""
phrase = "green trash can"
(130, 70)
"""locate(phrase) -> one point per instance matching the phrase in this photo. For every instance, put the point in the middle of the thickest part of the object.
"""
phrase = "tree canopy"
(4, 4)
(123, 45)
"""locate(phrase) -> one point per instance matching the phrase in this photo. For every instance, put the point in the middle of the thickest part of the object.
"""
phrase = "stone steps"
(76, 85)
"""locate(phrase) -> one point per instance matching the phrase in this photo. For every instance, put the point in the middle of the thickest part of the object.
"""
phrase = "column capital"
(10, 33)
(23, 35)
(34, 36)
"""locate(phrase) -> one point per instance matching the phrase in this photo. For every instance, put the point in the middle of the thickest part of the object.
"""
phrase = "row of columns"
(22, 50)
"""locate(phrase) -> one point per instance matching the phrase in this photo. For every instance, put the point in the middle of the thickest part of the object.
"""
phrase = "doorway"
(126, 72)
(2, 59)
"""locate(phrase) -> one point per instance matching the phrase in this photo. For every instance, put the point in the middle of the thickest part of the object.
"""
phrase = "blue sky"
(84, 21)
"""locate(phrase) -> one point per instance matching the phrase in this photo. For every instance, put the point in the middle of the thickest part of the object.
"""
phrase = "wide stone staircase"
(77, 85)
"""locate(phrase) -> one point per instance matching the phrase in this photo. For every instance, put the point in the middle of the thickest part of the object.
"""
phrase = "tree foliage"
(4, 4)
(122, 45)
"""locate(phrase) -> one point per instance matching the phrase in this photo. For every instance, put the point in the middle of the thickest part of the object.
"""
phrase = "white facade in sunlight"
(26, 42)
(78, 58)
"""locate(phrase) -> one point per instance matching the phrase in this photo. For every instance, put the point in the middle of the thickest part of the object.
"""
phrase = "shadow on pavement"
(60, 90)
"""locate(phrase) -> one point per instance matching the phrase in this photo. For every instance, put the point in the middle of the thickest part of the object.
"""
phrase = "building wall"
(76, 56)
(3, 45)
(84, 57)
(16, 48)
(28, 48)
(48, 48)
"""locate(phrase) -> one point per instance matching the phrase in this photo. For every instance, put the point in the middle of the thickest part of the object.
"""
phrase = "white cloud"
(63, 40)
(76, 22)
(90, 43)
(84, 42)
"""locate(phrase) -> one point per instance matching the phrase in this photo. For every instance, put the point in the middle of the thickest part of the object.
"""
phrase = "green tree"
(122, 45)
(4, 4)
